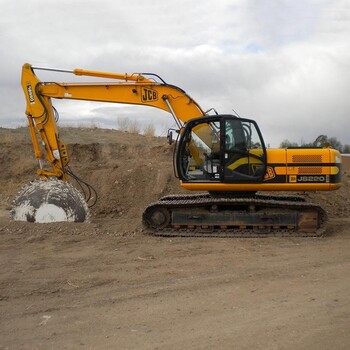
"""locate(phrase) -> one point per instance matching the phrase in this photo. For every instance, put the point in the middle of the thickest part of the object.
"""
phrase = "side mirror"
(170, 137)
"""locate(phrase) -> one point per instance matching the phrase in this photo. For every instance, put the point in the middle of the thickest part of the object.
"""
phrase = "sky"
(283, 63)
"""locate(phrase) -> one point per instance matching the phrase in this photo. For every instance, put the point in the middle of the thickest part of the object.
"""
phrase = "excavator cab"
(223, 149)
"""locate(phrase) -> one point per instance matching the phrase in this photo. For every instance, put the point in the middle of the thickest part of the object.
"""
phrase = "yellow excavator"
(221, 154)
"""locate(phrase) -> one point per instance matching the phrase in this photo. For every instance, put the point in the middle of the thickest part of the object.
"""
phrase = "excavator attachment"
(51, 200)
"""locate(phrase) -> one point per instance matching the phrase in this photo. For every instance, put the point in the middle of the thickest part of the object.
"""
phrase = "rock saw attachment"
(51, 200)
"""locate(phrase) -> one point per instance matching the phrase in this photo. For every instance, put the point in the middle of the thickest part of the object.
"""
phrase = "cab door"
(243, 151)
(199, 151)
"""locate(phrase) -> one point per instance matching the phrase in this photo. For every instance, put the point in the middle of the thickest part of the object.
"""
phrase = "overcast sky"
(284, 63)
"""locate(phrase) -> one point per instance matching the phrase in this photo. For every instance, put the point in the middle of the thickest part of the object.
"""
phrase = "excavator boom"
(121, 88)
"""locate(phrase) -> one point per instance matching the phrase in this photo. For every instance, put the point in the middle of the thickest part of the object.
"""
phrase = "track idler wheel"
(157, 218)
(50, 200)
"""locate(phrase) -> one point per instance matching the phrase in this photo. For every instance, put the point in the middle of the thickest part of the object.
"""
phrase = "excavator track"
(201, 215)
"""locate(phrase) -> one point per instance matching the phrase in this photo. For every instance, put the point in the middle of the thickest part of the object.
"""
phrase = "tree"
(346, 149)
(320, 141)
(325, 141)
(335, 143)
(286, 143)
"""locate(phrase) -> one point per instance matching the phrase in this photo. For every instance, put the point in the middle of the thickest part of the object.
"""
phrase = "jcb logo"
(270, 174)
(292, 178)
(149, 95)
(30, 94)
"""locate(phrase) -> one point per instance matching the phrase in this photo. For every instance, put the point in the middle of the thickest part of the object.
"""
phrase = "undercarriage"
(248, 216)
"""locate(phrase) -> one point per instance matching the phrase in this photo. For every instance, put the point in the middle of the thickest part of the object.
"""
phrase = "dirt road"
(64, 288)
(107, 285)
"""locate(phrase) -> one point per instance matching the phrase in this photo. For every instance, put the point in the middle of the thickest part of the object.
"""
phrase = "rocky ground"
(108, 285)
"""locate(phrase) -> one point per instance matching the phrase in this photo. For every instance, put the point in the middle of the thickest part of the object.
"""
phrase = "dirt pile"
(128, 171)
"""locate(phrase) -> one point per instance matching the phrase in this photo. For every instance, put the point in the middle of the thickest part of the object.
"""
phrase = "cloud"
(285, 63)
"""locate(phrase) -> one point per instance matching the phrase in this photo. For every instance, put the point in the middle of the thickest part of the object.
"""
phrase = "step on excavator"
(222, 157)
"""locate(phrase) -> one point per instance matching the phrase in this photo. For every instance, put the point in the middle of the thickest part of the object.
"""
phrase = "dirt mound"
(128, 171)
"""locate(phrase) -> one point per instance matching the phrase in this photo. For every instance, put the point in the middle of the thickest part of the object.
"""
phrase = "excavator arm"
(134, 89)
